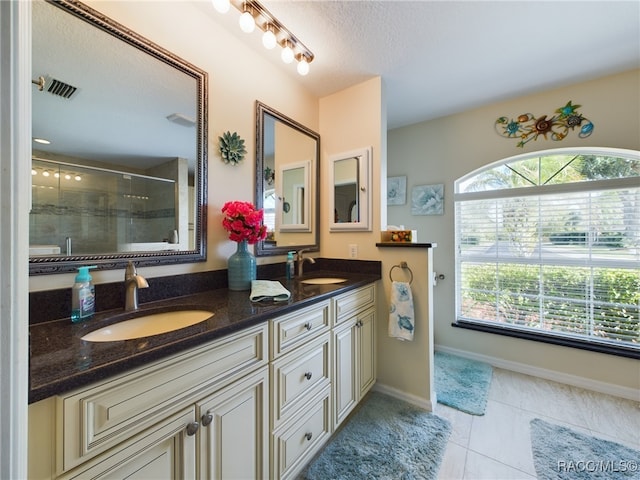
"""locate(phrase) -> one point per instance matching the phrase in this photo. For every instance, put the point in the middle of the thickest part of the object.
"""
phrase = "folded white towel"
(268, 290)
(401, 317)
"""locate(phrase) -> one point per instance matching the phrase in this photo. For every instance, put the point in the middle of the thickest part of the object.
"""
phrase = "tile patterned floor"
(497, 446)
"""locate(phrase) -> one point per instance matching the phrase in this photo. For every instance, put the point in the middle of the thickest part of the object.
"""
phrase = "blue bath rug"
(385, 439)
(560, 453)
(461, 383)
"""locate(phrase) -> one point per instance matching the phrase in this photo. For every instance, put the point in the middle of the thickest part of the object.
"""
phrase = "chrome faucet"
(132, 281)
(301, 260)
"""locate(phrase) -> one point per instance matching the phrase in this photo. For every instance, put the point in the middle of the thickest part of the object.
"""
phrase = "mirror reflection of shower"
(101, 210)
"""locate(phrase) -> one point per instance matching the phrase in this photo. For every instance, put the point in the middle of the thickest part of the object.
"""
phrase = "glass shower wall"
(99, 210)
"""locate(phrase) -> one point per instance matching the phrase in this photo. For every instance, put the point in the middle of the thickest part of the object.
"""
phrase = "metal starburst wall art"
(527, 127)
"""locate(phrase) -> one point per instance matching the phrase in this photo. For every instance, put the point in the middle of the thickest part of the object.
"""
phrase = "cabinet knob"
(308, 375)
(308, 435)
(206, 419)
(192, 428)
(308, 326)
(359, 323)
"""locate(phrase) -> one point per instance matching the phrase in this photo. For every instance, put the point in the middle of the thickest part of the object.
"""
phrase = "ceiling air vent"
(64, 90)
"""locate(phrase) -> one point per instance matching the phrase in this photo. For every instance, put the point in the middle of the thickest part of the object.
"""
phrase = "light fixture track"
(267, 22)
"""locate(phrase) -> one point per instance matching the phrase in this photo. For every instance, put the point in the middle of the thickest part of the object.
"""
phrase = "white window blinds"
(555, 259)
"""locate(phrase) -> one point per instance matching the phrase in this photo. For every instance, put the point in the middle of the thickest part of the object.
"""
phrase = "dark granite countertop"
(61, 361)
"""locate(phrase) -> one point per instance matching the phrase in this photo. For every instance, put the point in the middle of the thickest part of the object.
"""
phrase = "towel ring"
(404, 266)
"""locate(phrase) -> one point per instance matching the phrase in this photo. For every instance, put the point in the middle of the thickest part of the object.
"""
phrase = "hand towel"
(268, 290)
(401, 318)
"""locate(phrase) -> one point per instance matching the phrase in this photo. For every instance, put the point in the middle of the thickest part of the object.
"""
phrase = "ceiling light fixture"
(303, 65)
(42, 141)
(221, 6)
(269, 38)
(275, 33)
(246, 21)
(287, 54)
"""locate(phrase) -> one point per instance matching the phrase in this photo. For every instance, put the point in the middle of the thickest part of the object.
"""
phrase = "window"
(548, 248)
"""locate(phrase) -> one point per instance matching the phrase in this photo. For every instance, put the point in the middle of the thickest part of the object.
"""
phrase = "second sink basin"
(323, 280)
(145, 326)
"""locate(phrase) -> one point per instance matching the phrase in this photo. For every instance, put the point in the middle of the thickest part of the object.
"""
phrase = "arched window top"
(552, 167)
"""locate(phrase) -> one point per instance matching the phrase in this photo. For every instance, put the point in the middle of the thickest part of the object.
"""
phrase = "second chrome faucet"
(301, 259)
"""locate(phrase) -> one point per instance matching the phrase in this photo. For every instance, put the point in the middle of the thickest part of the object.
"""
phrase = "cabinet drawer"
(294, 329)
(302, 437)
(349, 303)
(94, 419)
(298, 376)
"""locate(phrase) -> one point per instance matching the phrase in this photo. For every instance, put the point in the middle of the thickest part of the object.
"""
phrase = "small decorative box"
(399, 236)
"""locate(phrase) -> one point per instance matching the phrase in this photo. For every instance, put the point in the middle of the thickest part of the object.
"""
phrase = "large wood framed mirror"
(123, 175)
(287, 182)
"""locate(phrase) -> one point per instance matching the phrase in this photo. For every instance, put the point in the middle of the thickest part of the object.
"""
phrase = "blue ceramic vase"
(241, 268)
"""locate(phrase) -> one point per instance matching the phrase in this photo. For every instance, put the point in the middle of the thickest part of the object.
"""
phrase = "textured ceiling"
(443, 57)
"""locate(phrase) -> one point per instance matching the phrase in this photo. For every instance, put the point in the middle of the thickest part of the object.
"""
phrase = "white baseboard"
(407, 397)
(573, 380)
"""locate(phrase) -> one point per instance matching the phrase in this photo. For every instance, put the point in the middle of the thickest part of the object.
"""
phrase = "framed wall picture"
(396, 190)
(427, 199)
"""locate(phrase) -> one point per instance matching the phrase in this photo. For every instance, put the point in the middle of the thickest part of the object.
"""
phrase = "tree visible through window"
(550, 243)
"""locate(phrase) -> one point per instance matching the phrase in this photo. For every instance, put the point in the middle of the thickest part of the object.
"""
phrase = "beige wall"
(238, 76)
(442, 150)
(350, 120)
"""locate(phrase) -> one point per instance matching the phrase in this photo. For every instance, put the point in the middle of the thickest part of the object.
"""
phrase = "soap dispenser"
(291, 266)
(83, 299)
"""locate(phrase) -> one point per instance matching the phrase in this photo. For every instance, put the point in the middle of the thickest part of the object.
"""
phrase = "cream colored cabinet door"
(165, 451)
(234, 441)
(345, 392)
(355, 371)
(365, 325)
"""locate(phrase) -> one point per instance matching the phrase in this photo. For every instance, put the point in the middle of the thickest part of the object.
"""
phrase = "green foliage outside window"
(516, 295)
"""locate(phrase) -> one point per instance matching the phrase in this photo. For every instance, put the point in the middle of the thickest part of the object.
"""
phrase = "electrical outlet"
(353, 250)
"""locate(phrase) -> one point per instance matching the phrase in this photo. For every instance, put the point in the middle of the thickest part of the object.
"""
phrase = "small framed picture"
(396, 190)
(427, 200)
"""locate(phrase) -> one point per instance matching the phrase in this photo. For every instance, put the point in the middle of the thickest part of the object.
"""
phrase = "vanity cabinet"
(301, 376)
(354, 343)
(156, 416)
(259, 403)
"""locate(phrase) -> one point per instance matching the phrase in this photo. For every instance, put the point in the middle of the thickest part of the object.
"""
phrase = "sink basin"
(323, 280)
(148, 325)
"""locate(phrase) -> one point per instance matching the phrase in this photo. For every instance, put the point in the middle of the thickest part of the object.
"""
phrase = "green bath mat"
(387, 438)
(461, 383)
(560, 453)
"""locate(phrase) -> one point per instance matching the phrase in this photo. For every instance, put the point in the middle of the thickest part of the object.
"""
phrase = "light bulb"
(78, 178)
(56, 175)
(34, 171)
(247, 22)
(67, 177)
(303, 66)
(221, 6)
(45, 173)
(287, 53)
(269, 39)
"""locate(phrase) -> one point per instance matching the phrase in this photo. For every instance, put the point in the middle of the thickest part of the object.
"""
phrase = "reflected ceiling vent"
(181, 119)
(61, 89)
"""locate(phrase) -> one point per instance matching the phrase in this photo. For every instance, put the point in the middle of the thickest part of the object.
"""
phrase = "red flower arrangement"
(243, 222)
